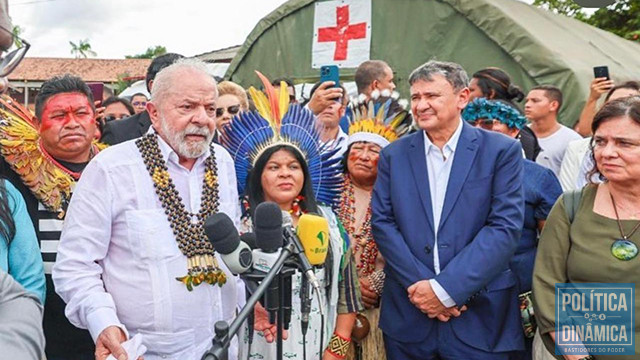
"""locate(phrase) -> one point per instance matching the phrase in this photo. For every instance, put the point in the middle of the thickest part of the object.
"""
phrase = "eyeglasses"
(14, 55)
(139, 103)
(113, 117)
(232, 110)
(486, 124)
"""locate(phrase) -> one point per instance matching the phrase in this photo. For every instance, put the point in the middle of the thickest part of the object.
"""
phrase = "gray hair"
(166, 78)
(452, 72)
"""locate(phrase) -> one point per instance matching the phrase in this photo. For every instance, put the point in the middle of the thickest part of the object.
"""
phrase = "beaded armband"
(338, 346)
(376, 279)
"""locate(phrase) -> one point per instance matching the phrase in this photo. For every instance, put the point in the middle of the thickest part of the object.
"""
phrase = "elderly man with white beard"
(133, 257)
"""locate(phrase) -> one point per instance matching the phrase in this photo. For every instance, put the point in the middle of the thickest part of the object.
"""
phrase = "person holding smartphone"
(600, 85)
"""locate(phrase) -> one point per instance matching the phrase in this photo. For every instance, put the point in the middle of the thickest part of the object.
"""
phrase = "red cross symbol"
(342, 32)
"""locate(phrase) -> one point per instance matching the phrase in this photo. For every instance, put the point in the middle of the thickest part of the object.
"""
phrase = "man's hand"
(324, 96)
(261, 323)
(108, 343)
(598, 87)
(369, 297)
(424, 298)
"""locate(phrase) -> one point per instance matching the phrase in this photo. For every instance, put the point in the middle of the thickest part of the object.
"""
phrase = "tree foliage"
(17, 31)
(82, 49)
(151, 52)
(621, 18)
(122, 84)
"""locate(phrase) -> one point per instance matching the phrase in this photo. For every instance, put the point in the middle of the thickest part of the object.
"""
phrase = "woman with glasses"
(139, 102)
(231, 100)
(591, 234)
(541, 189)
(116, 108)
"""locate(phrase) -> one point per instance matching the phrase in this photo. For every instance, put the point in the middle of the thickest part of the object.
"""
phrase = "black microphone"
(305, 305)
(249, 239)
(268, 229)
(287, 283)
(223, 235)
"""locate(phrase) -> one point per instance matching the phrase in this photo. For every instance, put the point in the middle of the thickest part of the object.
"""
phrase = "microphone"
(267, 226)
(313, 232)
(303, 262)
(268, 230)
(222, 234)
(305, 305)
(249, 239)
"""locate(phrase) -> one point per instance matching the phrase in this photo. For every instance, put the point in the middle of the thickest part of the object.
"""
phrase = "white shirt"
(340, 142)
(118, 258)
(570, 171)
(554, 146)
(439, 168)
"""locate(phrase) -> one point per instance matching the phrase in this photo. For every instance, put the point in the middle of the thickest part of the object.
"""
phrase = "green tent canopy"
(533, 45)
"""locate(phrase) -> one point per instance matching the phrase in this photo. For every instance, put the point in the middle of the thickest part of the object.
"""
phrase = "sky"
(116, 28)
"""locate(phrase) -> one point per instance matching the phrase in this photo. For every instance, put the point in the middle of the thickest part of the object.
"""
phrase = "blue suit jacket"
(478, 233)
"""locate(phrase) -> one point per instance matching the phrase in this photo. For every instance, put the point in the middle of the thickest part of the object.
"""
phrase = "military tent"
(533, 45)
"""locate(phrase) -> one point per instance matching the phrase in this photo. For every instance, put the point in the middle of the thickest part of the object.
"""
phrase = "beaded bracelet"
(338, 346)
(376, 279)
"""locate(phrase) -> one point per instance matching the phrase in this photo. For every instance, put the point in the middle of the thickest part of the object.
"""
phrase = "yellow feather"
(261, 103)
(284, 99)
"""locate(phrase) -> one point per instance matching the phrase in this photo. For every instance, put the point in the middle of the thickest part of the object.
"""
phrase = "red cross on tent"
(342, 32)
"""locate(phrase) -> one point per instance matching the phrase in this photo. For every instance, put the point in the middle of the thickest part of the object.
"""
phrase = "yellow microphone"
(313, 232)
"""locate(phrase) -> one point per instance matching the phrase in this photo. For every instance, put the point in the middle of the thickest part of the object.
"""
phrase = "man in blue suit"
(448, 208)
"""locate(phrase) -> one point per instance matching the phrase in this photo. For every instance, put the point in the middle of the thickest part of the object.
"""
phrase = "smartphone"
(601, 71)
(96, 90)
(330, 73)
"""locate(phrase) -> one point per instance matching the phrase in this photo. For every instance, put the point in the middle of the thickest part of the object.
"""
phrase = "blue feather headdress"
(481, 108)
(276, 122)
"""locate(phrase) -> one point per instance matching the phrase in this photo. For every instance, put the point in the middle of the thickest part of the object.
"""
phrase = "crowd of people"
(448, 226)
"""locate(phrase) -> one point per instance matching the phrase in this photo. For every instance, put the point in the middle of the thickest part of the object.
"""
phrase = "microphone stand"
(225, 332)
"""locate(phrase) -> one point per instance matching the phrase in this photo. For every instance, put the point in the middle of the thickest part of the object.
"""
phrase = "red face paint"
(67, 126)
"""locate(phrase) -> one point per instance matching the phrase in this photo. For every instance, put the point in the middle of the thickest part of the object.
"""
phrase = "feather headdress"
(277, 122)
(380, 120)
(20, 146)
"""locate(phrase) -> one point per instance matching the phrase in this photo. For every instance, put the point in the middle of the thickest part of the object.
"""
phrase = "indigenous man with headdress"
(279, 158)
(44, 156)
(374, 124)
(134, 261)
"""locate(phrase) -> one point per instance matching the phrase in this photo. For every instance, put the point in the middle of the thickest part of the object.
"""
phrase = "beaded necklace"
(188, 228)
(362, 238)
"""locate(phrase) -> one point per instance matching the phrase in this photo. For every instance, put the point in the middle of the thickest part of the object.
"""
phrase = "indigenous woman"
(278, 158)
(591, 235)
(373, 126)
(541, 189)
(495, 84)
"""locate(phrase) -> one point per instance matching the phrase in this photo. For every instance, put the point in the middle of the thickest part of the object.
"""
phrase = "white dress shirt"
(118, 259)
(439, 168)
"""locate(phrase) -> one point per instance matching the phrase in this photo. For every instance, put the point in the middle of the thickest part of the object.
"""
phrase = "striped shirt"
(49, 229)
